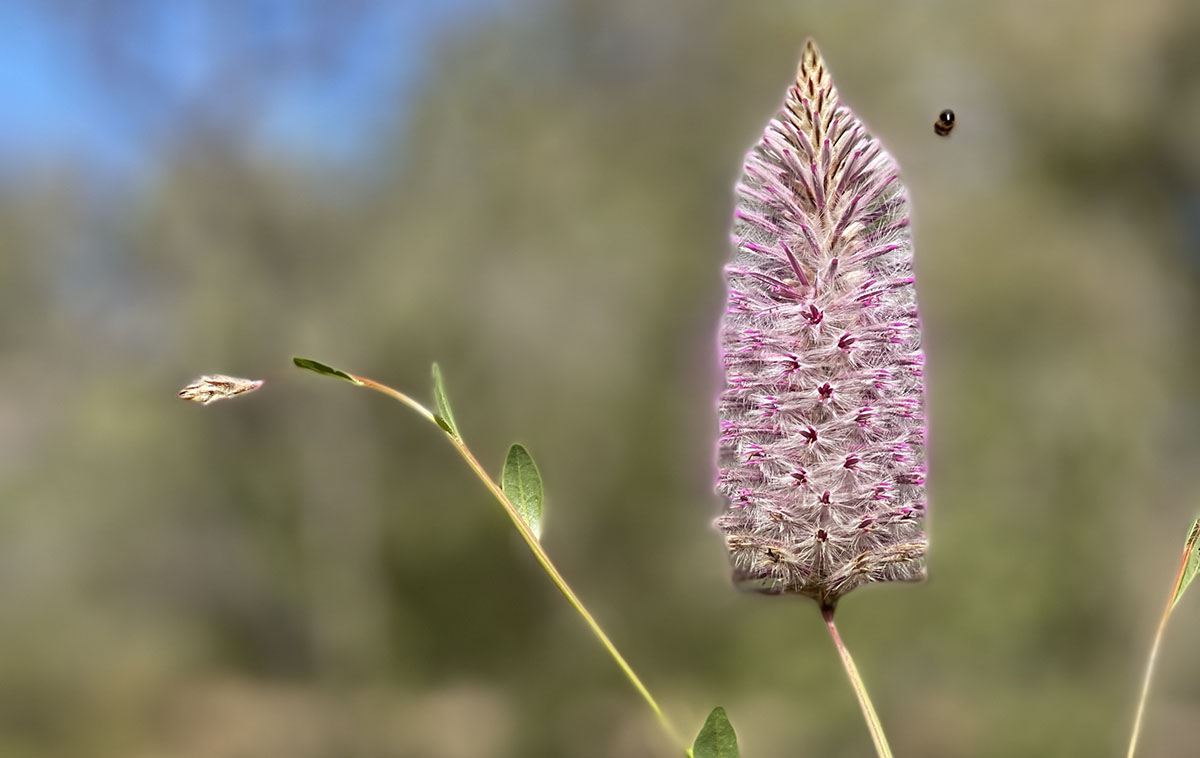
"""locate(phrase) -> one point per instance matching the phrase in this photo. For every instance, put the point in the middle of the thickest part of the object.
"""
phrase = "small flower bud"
(209, 389)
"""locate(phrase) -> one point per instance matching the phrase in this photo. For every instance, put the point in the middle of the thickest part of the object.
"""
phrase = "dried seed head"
(209, 389)
(822, 449)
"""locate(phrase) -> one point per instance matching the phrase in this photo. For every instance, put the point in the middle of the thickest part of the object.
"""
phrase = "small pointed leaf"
(716, 738)
(321, 368)
(1191, 564)
(444, 416)
(522, 482)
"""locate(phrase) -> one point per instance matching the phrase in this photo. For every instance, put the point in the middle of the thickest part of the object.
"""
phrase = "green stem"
(536, 548)
(860, 689)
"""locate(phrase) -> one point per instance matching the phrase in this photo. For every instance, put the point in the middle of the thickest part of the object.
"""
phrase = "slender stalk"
(1162, 625)
(860, 689)
(536, 548)
(1141, 708)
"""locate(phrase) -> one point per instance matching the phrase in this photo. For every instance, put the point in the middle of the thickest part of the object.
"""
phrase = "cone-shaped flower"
(210, 389)
(822, 430)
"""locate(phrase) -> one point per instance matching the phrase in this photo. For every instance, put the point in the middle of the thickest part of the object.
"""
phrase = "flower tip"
(811, 61)
(811, 53)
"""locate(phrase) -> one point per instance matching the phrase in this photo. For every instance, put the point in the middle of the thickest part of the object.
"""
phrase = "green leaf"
(1191, 562)
(444, 417)
(522, 482)
(716, 738)
(321, 368)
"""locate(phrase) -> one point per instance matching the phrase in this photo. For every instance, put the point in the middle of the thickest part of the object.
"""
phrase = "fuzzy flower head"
(821, 453)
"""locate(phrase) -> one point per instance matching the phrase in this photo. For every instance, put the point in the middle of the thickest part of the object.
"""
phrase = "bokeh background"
(536, 194)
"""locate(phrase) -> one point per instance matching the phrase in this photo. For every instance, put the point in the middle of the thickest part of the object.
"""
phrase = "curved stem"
(1162, 625)
(536, 548)
(1141, 707)
(860, 689)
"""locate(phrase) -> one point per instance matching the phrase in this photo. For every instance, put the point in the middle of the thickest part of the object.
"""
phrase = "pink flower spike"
(822, 425)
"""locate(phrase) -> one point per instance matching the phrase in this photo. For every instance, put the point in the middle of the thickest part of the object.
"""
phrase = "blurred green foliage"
(310, 571)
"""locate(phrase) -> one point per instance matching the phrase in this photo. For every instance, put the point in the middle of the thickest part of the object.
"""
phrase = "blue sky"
(62, 104)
